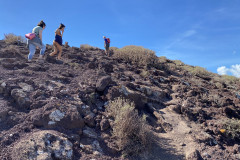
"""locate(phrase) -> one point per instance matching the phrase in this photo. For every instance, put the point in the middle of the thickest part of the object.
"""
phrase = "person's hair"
(61, 26)
(41, 24)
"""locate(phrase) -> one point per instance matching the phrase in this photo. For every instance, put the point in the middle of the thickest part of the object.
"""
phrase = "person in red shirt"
(106, 45)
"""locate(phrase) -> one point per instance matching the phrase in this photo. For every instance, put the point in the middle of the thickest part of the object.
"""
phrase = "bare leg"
(59, 48)
(55, 49)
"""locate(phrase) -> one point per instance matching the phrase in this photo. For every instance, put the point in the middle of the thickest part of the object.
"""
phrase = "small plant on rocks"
(132, 134)
(232, 127)
(137, 55)
(13, 39)
(87, 47)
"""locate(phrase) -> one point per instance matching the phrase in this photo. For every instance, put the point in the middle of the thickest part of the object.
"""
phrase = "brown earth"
(55, 109)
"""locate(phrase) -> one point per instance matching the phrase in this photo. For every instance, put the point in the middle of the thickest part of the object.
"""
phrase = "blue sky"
(198, 32)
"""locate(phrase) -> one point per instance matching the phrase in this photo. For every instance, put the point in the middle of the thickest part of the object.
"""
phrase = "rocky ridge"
(56, 109)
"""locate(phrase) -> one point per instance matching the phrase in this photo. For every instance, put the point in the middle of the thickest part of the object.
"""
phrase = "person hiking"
(37, 41)
(106, 45)
(57, 43)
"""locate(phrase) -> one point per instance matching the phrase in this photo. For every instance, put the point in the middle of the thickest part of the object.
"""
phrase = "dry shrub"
(144, 73)
(112, 50)
(216, 99)
(196, 81)
(137, 55)
(87, 47)
(230, 78)
(198, 71)
(171, 66)
(163, 59)
(230, 82)
(178, 63)
(132, 134)
(219, 85)
(232, 127)
(13, 39)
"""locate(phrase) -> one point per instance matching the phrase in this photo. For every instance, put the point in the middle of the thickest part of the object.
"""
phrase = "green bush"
(137, 55)
(132, 134)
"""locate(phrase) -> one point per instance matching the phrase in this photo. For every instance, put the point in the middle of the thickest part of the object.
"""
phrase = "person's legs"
(43, 48)
(107, 50)
(105, 46)
(32, 50)
(55, 49)
(59, 47)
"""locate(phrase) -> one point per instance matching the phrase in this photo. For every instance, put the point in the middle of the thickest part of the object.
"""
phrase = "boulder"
(106, 67)
(102, 83)
(138, 98)
(51, 116)
(43, 145)
(20, 97)
(89, 132)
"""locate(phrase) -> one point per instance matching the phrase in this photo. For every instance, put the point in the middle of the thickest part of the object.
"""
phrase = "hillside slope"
(56, 109)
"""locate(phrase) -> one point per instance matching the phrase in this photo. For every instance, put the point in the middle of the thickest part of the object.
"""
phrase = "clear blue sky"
(198, 32)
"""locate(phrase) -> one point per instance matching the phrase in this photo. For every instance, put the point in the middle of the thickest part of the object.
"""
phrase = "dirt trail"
(178, 142)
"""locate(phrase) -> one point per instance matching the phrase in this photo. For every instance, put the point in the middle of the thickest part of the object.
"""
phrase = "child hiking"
(36, 41)
(106, 45)
(57, 43)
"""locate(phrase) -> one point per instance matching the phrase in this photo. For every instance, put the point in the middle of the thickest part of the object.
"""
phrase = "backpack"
(108, 40)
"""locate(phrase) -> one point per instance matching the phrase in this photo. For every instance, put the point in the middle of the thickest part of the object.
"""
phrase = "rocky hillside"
(60, 109)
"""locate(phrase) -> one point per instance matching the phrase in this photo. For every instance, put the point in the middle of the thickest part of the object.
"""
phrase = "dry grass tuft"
(113, 50)
(198, 71)
(163, 59)
(13, 39)
(132, 134)
(137, 55)
(87, 47)
(226, 81)
(144, 73)
(178, 63)
(230, 79)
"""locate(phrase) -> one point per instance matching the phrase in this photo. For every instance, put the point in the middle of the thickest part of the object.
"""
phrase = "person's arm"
(62, 33)
(40, 35)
